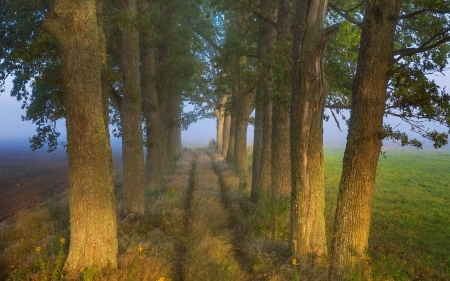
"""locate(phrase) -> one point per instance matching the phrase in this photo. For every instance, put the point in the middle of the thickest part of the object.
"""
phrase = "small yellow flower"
(140, 248)
(38, 249)
(62, 240)
(161, 279)
(294, 261)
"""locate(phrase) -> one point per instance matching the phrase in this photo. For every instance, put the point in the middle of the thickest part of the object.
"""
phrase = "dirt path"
(208, 250)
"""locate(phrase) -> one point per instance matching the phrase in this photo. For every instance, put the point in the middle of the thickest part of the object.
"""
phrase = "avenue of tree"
(292, 62)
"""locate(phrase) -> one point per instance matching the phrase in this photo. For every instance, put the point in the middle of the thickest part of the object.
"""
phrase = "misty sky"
(12, 126)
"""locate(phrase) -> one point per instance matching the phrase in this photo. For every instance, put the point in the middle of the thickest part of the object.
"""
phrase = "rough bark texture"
(152, 118)
(132, 146)
(281, 162)
(226, 133)
(266, 41)
(353, 213)
(93, 238)
(307, 221)
(219, 111)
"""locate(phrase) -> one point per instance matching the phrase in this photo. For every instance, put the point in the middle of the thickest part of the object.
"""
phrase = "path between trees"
(210, 246)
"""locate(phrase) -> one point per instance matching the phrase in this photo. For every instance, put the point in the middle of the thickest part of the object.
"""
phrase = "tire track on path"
(180, 247)
(209, 253)
(240, 254)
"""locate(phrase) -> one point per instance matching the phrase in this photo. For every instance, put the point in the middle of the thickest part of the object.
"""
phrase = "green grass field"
(410, 230)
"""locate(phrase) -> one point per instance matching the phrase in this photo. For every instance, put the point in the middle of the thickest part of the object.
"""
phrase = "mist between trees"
(133, 64)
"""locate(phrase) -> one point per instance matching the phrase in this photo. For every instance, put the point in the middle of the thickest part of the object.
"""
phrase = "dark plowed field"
(27, 177)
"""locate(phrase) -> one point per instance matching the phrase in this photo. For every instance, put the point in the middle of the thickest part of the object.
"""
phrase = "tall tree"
(153, 167)
(351, 230)
(131, 112)
(92, 210)
(281, 162)
(307, 221)
(266, 41)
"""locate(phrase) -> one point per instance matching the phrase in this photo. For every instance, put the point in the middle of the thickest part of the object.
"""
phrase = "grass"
(223, 236)
(410, 229)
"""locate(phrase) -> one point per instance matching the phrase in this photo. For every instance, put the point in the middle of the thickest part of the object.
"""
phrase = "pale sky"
(12, 126)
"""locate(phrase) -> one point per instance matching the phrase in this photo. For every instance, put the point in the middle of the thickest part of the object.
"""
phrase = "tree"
(153, 168)
(281, 162)
(263, 119)
(307, 221)
(131, 112)
(92, 210)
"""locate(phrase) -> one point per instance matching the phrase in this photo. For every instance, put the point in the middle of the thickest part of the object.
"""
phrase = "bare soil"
(29, 177)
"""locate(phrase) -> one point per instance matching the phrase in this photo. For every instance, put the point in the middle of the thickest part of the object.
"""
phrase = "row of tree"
(132, 63)
(375, 56)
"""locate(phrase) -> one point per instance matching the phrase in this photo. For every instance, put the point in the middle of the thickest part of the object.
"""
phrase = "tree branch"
(345, 14)
(425, 47)
(410, 15)
(265, 19)
(203, 35)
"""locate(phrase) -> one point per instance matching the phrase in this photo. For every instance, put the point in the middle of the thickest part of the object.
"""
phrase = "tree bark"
(226, 133)
(153, 172)
(219, 111)
(266, 41)
(93, 238)
(281, 162)
(240, 142)
(307, 235)
(353, 213)
(132, 145)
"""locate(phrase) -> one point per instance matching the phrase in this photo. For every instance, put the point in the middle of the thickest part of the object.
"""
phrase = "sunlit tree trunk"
(219, 111)
(132, 145)
(226, 133)
(353, 213)
(93, 237)
(307, 221)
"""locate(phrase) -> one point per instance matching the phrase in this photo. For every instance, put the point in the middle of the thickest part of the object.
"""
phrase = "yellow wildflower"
(294, 261)
(38, 249)
(140, 248)
(161, 279)
(62, 240)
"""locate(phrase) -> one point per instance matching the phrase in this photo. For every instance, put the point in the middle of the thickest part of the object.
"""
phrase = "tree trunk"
(266, 41)
(240, 142)
(307, 235)
(266, 151)
(219, 111)
(281, 162)
(152, 118)
(257, 146)
(93, 238)
(226, 134)
(353, 213)
(132, 146)
(231, 143)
